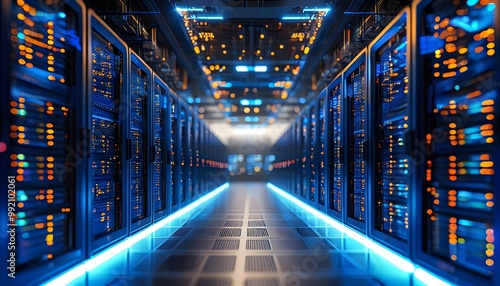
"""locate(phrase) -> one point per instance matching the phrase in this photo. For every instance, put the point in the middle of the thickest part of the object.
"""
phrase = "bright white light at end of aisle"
(392, 257)
(249, 131)
(91, 263)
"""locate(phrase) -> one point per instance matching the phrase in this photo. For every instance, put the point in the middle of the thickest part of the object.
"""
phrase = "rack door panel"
(183, 148)
(313, 172)
(108, 116)
(335, 106)
(305, 154)
(160, 157)
(322, 135)
(189, 155)
(391, 122)
(140, 89)
(174, 153)
(41, 135)
(355, 92)
(459, 66)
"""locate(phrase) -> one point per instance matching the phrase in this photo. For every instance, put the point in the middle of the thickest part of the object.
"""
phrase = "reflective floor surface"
(247, 235)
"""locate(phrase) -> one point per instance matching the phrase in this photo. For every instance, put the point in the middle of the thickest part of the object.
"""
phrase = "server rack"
(139, 141)
(108, 66)
(189, 160)
(41, 141)
(196, 156)
(390, 116)
(336, 180)
(160, 156)
(304, 140)
(354, 82)
(174, 153)
(298, 156)
(183, 146)
(457, 144)
(312, 156)
(322, 150)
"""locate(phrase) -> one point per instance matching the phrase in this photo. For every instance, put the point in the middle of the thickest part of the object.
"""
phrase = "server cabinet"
(160, 156)
(336, 180)
(457, 148)
(174, 153)
(108, 202)
(139, 142)
(298, 156)
(183, 149)
(390, 117)
(322, 147)
(189, 155)
(196, 155)
(304, 139)
(42, 143)
(312, 156)
(356, 99)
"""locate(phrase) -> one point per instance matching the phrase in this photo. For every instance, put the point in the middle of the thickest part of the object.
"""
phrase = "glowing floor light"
(394, 258)
(100, 258)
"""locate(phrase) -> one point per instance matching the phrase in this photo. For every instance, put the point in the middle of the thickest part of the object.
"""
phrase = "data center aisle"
(247, 236)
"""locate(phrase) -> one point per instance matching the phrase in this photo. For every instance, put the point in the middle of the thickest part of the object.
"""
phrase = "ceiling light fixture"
(207, 17)
(247, 102)
(260, 68)
(298, 17)
(191, 9)
(241, 68)
(326, 10)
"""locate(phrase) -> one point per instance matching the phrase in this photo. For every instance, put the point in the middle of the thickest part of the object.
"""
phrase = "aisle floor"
(247, 236)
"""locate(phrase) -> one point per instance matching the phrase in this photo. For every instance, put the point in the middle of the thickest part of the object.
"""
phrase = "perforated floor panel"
(246, 236)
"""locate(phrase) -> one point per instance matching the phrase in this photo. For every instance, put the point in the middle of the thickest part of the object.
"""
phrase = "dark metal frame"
(95, 23)
(136, 60)
(360, 59)
(165, 149)
(434, 263)
(391, 29)
(336, 82)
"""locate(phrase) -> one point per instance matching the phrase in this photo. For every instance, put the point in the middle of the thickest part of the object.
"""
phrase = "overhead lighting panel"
(251, 102)
(260, 68)
(189, 9)
(298, 17)
(242, 69)
(326, 10)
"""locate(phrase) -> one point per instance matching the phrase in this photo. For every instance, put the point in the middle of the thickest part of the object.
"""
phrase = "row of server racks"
(403, 145)
(94, 145)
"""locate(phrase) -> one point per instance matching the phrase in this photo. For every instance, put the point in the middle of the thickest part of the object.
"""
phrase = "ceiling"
(248, 66)
(251, 52)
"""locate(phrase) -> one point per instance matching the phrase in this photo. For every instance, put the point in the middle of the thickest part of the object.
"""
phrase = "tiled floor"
(247, 236)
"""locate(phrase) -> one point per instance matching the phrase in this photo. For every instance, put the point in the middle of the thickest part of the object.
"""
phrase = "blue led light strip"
(401, 262)
(91, 263)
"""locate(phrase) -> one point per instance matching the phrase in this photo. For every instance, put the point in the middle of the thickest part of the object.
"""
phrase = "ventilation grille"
(233, 223)
(220, 264)
(257, 232)
(258, 244)
(260, 263)
(230, 232)
(255, 223)
(226, 244)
